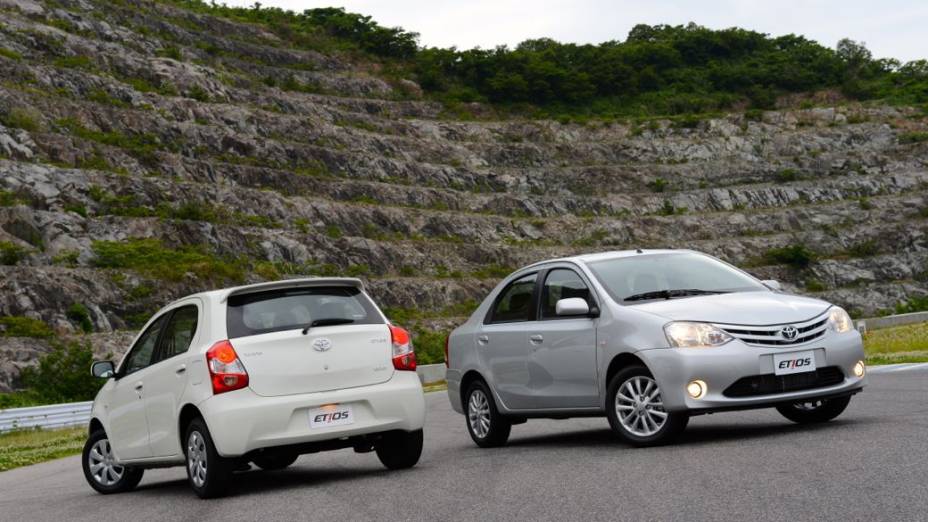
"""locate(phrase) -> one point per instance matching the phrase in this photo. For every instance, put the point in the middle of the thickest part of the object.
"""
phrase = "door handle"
(536, 339)
(138, 386)
(483, 339)
(181, 369)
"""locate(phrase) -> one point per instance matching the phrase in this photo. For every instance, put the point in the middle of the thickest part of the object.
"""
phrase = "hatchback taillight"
(404, 358)
(225, 369)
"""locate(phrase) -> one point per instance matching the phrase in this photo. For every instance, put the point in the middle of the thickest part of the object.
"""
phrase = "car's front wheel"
(819, 410)
(101, 470)
(635, 409)
(400, 449)
(207, 472)
(487, 427)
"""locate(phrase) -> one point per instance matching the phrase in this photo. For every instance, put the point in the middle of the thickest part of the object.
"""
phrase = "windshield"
(630, 277)
(275, 310)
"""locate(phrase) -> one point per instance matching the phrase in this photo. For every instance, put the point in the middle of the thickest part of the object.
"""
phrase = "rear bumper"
(721, 367)
(242, 421)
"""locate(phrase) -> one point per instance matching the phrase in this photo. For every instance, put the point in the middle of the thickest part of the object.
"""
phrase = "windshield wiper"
(327, 322)
(669, 294)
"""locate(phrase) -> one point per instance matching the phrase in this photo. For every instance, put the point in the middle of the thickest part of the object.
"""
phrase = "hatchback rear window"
(276, 310)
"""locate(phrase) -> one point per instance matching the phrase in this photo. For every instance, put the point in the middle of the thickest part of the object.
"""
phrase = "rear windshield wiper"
(669, 294)
(327, 322)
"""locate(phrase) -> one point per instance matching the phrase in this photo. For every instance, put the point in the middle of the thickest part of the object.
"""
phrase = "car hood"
(747, 308)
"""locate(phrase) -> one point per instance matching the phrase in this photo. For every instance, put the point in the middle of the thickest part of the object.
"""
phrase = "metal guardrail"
(51, 416)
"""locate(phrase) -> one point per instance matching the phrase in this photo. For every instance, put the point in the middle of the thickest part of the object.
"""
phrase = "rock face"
(135, 119)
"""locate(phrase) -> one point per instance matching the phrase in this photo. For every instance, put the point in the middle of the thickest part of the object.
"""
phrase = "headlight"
(694, 335)
(839, 321)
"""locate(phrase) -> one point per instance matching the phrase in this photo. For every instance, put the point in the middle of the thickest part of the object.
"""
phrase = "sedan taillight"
(404, 358)
(225, 369)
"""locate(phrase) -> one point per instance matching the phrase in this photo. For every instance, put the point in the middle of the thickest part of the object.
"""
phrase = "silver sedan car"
(647, 339)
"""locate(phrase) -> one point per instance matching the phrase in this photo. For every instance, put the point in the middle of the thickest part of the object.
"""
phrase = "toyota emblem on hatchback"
(789, 333)
(322, 344)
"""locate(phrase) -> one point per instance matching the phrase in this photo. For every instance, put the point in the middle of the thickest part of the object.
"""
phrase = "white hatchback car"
(260, 373)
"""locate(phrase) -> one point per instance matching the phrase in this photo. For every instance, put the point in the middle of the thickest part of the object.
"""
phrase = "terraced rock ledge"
(148, 152)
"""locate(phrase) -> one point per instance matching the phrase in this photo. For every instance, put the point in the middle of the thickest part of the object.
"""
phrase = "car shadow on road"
(693, 435)
(258, 481)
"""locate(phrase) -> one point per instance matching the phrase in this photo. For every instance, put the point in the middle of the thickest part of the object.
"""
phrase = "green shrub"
(66, 258)
(74, 62)
(866, 248)
(814, 285)
(429, 346)
(151, 257)
(9, 199)
(787, 175)
(333, 231)
(19, 326)
(171, 52)
(198, 93)
(658, 185)
(79, 313)
(913, 137)
(913, 304)
(798, 256)
(25, 118)
(11, 54)
(10, 253)
(865, 203)
(63, 375)
(492, 271)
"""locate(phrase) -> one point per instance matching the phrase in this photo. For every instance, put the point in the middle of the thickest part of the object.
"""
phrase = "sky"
(890, 28)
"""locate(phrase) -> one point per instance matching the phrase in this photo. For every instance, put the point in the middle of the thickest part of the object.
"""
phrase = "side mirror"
(103, 369)
(772, 284)
(572, 306)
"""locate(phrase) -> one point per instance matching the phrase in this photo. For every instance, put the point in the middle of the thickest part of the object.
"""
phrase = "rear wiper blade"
(668, 294)
(327, 322)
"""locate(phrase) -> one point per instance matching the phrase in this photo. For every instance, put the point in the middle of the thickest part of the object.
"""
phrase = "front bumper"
(719, 368)
(242, 421)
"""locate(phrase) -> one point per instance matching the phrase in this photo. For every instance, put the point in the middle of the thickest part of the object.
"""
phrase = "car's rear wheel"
(275, 461)
(400, 449)
(487, 427)
(819, 410)
(101, 470)
(208, 473)
(635, 409)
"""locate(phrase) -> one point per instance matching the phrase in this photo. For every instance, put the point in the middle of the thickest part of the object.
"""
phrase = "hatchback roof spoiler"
(293, 283)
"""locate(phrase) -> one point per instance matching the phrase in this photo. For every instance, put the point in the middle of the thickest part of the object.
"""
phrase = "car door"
(502, 345)
(128, 425)
(167, 378)
(562, 366)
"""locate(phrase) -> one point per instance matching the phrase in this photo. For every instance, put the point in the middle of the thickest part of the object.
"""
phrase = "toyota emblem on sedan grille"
(789, 333)
(322, 344)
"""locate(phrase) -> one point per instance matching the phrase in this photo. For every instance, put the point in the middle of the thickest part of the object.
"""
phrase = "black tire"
(275, 461)
(100, 471)
(673, 423)
(492, 429)
(400, 449)
(822, 410)
(208, 473)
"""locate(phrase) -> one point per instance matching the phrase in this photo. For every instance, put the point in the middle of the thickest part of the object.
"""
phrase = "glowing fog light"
(696, 389)
(860, 369)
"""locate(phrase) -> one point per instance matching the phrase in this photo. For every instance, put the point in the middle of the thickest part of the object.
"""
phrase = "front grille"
(770, 384)
(806, 331)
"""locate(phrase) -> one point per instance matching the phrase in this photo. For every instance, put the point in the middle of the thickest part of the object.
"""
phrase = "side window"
(178, 333)
(143, 350)
(562, 283)
(515, 301)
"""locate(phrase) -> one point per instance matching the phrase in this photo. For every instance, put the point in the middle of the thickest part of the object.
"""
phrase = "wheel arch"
(619, 363)
(95, 425)
(467, 379)
(187, 414)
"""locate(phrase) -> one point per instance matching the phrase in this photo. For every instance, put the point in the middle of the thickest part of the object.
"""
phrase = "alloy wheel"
(196, 458)
(103, 465)
(639, 406)
(478, 413)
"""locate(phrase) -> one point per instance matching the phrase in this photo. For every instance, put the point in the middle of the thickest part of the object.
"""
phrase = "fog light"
(860, 369)
(696, 389)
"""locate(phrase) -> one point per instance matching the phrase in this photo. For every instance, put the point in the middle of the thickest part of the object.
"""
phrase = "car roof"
(222, 294)
(615, 254)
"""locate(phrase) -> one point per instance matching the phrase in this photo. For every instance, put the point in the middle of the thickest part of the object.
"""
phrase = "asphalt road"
(869, 464)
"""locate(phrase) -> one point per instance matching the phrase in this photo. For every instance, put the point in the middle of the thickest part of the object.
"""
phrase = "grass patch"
(913, 137)
(25, 118)
(26, 447)
(151, 257)
(798, 256)
(899, 344)
(19, 326)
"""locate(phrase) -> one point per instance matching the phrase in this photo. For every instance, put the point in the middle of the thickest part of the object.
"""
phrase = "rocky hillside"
(148, 152)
